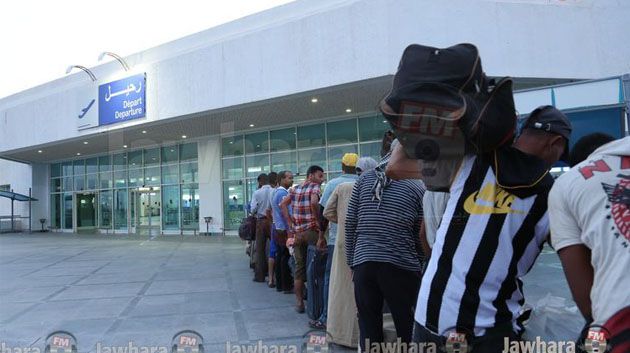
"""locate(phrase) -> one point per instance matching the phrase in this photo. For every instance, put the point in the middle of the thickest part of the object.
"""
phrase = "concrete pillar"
(210, 190)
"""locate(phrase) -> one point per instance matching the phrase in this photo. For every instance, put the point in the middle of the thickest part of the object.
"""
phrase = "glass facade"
(110, 192)
(295, 148)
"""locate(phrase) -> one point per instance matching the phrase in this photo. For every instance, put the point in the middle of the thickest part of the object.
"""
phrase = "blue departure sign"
(122, 100)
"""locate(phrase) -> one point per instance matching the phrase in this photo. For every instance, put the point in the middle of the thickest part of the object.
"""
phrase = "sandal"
(316, 324)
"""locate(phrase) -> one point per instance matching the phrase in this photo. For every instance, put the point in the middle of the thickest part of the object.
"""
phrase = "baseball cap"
(350, 159)
(550, 119)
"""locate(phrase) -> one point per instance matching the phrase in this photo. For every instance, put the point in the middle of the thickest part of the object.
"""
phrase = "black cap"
(550, 119)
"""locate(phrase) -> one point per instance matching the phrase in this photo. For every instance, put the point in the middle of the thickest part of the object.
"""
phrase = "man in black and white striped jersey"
(382, 249)
(493, 230)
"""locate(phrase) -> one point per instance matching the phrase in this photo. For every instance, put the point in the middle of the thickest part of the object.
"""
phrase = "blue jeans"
(324, 317)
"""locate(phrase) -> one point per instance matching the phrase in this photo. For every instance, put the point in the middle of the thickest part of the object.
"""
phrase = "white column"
(210, 190)
(41, 191)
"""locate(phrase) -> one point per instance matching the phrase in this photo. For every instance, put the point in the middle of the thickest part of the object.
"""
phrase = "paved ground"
(114, 290)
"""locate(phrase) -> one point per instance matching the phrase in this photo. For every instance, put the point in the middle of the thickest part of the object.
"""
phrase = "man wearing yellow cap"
(349, 174)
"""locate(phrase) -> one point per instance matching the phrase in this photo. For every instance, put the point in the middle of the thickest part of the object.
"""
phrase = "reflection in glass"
(190, 172)
(169, 154)
(283, 139)
(188, 152)
(91, 181)
(106, 202)
(233, 204)
(232, 146)
(372, 149)
(152, 156)
(134, 159)
(257, 143)
(190, 206)
(91, 165)
(55, 211)
(67, 211)
(284, 161)
(120, 161)
(68, 184)
(170, 174)
(256, 165)
(120, 209)
(66, 168)
(233, 168)
(105, 180)
(79, 183)
(311, 136)
(336, 153)
(135, 177)
(55, 170)
(372, 128)
(170, 206)
(120, 179)
(152, 176)
(104, 163)
(79, 167)
(308, 158)
(55, 185)
(340, 132)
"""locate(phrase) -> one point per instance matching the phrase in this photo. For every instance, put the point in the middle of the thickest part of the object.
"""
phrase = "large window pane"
(106, 202)
(372, 149)
(55, 185)
(120, 179)
(152, 176)
(257, 164)
(232, 146)
(134, 159)
(284, 161)
(170, 174)
(190, 172)
(79, 182)
(252, 185)
(340, 132)
(190, 207)
(170, 155)
(188, 152)
(257, 143)
(282, 140)
(91, 165)
(311, 136)
(336, 153)
(79, 167)
(120, 161)
(120, 209)
(91, 181)
(105, 180)
(152, 156)
(55, 170)
(135, 177)
(308, 158)
(67, 211)
(372, 128)
(68, 184)
(66, 168)
(104, 163)
(55, 211)
(233, 168)
(170, 205)
(233, 204)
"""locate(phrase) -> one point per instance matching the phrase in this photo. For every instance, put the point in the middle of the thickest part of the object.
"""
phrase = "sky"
(39, 39)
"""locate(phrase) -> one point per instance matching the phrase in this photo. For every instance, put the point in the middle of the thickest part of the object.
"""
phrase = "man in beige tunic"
(342, 323)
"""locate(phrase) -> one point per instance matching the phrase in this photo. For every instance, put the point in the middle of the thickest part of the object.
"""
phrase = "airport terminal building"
(183, 133)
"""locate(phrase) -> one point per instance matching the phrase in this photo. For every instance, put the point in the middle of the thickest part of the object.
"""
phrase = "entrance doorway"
(147, 211)
(86, 206)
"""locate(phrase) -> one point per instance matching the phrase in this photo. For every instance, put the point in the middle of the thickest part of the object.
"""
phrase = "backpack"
(247, 229)
(442, 106)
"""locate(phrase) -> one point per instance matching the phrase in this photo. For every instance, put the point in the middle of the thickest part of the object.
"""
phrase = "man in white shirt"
(589, 212)
(261, 202)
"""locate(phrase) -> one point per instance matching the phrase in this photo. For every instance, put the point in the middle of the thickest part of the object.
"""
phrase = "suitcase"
(315, 269)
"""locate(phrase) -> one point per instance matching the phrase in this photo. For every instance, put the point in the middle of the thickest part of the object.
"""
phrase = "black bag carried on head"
(442, 106)
(247, 229)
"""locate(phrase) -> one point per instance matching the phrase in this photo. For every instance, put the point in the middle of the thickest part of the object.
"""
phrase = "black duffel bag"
(247, 229)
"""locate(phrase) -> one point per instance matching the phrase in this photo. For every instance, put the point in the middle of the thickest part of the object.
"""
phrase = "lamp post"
(115, 56)
(85, 69)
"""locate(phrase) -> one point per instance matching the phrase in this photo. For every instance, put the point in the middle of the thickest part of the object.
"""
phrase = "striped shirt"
(302, 215)
(488, 238)
(388, 232)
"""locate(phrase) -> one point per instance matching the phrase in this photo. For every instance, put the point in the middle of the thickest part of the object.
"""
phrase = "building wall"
(210, 191)
(19, 176)
(305, 46)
